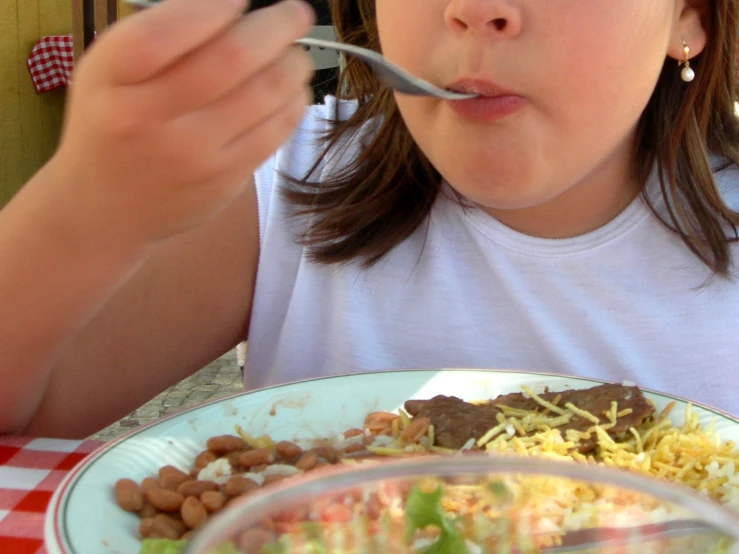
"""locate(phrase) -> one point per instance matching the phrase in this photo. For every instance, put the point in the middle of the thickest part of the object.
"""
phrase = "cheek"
(388, 24)
(503, 168)
(407, 28)
(610, 51)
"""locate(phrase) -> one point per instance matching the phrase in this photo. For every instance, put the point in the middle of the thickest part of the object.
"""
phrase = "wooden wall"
(29, 123)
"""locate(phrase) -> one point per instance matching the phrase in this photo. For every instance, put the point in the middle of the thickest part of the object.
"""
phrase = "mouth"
(480, 87)
(492, 102)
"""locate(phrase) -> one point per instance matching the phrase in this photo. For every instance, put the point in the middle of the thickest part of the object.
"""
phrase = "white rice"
(281, 469)
(218, 471)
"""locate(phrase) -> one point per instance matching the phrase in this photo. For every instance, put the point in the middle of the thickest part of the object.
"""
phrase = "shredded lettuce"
(276, 547)
(226, 548)
(423, 509)
(500, 492)
(167, 546)
(162, 546)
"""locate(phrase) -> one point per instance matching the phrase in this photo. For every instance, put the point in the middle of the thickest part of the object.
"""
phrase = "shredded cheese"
(686, 454)
(539, 400)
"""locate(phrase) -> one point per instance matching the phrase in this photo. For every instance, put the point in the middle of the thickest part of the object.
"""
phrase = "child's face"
(584, 71)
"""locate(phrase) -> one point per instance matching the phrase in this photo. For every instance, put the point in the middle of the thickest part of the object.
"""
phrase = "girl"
(579, 216)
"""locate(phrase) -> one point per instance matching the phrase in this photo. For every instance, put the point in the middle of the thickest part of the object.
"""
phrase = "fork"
(595, 538)
(390, 74)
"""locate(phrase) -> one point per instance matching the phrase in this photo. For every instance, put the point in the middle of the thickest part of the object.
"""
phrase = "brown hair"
(381, 197)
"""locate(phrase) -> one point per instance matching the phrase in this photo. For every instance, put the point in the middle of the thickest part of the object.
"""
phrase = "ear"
(690, 28)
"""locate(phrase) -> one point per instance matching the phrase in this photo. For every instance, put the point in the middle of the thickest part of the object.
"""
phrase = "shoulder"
(300, 154)
(304, 147)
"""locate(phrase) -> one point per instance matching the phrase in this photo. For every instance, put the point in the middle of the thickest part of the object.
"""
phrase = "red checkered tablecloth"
(30, 471)
(51, 62)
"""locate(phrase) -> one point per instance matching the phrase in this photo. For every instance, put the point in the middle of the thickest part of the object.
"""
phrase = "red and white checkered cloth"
(30, 471)
(51, 62)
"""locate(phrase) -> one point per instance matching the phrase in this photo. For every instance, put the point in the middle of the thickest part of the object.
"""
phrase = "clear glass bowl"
(472, 505)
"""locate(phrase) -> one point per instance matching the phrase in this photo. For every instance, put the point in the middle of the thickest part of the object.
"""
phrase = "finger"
(146, 43)
(265, 138)
(227, 61)
(255, 100)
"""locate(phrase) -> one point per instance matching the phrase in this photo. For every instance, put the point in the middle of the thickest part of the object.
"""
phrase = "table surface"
(30, 471)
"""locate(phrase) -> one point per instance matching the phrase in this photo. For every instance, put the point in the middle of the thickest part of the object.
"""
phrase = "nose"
(494, 18)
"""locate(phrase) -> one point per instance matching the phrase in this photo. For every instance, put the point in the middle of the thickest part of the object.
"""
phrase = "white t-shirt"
(624, 302)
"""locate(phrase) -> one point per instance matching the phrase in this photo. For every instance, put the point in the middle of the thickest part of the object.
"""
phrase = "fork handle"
(593, 538)
(253, 4)
(257, 4)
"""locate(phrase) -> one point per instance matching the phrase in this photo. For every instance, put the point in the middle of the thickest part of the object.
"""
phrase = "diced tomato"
(337, 513)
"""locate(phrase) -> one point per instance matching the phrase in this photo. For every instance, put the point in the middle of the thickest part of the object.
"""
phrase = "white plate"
(83, 516)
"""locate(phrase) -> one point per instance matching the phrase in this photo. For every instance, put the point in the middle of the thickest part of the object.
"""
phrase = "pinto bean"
(350, 433)
(238, 485)
(151, 528)
(224, 444)
(149, 483)
(274, 478)
(213, 500)
(307, 461)
(193, 512)
(129, 495)
(252, 458)
(193, 487)
(233, 459)
(352, 448)
(174, 522)
(148, 510)
(165, 500)
(170, 477)
(287, 450)
(328, 453)
(203, 459)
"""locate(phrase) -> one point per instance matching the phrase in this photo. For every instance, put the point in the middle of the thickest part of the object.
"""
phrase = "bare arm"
(188, 304)
(82, 352)
(128, 261)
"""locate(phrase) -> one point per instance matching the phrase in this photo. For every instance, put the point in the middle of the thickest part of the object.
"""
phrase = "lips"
(492, 103)
(480, 87)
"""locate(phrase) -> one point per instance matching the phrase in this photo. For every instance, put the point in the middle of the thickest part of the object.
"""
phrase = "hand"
(173, 109)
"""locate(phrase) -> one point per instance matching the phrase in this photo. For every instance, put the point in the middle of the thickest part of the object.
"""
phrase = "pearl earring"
(687, 73)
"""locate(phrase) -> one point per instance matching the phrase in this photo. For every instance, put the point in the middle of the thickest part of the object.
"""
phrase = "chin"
(496, 187)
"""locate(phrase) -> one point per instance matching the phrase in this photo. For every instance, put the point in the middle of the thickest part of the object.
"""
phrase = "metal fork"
(600, 537)
(387, 72)
(391, 75)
